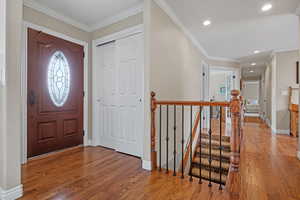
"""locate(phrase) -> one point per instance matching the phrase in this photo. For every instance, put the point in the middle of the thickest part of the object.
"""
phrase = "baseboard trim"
(147, 165)
(268, 122)
(283, 132)
(11, 194)
(88, 143)
(298, 155)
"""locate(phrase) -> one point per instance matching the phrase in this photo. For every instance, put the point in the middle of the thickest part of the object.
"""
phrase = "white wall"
(10, 101)
(251, 90)
(2, 39)
(285, 78)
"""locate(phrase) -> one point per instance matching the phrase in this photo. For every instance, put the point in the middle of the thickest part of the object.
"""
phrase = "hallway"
(269, 166)
(269, 170)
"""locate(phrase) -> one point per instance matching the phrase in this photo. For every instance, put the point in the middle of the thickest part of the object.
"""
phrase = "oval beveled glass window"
(59, 79)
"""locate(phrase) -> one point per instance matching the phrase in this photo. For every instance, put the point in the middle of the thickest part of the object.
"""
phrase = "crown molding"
(222, 59)
(285, 50)
(169, 11)
(123, 15)
(52, 13)
(88, 28)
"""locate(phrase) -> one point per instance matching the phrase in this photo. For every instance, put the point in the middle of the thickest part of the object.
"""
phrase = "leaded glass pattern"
(59, 79)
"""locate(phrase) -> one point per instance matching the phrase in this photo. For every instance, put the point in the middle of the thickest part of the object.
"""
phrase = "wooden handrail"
(236, 110)
(193, 103)
(190, 143)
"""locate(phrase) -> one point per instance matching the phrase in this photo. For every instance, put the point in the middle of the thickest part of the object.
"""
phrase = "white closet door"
(105, 83)
(129, 61)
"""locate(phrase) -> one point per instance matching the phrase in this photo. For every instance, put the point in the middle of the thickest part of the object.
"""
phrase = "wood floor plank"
(269, 171)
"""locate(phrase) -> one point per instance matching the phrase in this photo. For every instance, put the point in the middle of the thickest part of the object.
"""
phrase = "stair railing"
(163, 141)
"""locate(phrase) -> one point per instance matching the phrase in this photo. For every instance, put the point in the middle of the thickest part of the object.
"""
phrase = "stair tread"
(215, 142)
(216, 137)
(214, 163)
(215, 177)
(214, 152)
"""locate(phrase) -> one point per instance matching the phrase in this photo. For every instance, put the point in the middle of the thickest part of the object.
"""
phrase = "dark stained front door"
(55, 94)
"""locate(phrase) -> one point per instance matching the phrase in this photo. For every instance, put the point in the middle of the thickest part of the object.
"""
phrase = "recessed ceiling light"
(253, 64)
(256, 51)
(207, 23)
(266, 7)
(251, 71)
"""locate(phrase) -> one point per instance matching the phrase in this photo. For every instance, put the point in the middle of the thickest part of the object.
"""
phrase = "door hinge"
(83, 54)
(83, 93)
(203, 74)
(83, 132)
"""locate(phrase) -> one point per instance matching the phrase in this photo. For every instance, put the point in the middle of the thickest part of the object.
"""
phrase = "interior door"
(105, 91)
(129, 52)
(55, 93)
(118, 95)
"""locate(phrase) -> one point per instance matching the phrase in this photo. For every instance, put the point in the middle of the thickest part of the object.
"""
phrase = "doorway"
(54, 93)
(251, 94)
(221, 82)
(118, 85)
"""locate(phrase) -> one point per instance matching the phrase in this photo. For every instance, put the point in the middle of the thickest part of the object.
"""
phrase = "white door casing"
(205, 94)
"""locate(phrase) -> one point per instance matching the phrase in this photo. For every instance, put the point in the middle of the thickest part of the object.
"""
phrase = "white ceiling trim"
(37, 6)
(48, 11)
(284, 50)
(168, 10)
(123, 15)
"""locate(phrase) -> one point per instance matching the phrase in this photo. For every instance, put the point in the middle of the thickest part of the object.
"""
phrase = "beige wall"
(119, 26)
(10, 100)
(38, 18)
(268, 93)
(286, 77)
(175, 65)
(251, 91)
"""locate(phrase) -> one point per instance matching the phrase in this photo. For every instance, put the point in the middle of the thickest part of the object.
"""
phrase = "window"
(58, 79)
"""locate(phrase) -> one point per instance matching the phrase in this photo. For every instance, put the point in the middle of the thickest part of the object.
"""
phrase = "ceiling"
(239, 26)
(87, 14)
(260, 60)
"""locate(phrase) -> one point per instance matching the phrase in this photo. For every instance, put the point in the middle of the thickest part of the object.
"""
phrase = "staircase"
(212, 157)
(219, 171)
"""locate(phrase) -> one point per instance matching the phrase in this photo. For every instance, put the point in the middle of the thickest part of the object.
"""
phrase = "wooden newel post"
(235, 106)
(234, 181)
(153, 132)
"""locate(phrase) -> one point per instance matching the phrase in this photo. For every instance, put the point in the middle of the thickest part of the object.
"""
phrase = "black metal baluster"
(220, 188)
(191, 143)
(200, 135)
(174, 153)
(167, 146)
(159, 137)
(210, 132)
(182, 143)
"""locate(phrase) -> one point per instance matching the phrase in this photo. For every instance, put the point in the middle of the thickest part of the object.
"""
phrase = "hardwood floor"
(269, 170)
